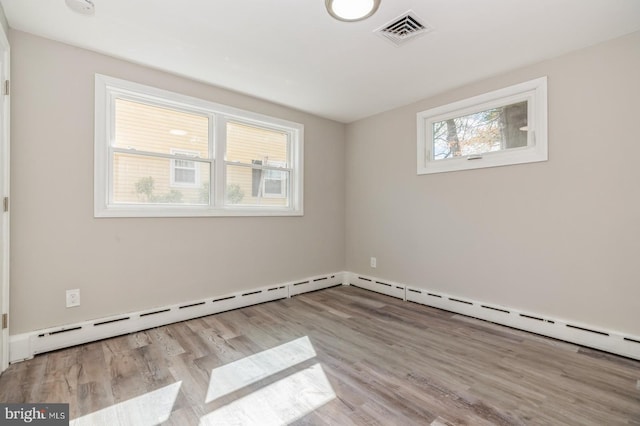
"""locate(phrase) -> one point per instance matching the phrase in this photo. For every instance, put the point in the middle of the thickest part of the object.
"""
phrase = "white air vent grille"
(403, 28)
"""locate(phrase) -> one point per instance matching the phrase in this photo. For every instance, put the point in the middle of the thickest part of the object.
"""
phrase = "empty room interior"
(327, 212)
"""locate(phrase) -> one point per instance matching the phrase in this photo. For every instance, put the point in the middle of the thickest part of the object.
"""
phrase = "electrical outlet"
(374, 262)
(73, 298)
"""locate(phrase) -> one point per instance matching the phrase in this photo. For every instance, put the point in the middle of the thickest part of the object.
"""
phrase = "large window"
(158, 153)
(508, 126)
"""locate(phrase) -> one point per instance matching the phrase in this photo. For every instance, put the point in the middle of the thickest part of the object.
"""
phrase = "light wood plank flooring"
(342, 356)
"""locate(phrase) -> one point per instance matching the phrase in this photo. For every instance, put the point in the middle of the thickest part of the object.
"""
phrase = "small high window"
(507, 126)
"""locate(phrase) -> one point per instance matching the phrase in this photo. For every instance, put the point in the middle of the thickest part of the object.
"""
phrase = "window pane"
(247, 144)
(249, 187)
(162, 130)
(138, 179)
(485, 131)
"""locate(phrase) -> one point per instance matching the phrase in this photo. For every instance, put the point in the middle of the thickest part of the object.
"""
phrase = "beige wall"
(560, 237)
(123, 265)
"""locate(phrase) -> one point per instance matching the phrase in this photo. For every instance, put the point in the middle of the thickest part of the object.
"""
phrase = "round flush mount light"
(83, 7)
(352, 10)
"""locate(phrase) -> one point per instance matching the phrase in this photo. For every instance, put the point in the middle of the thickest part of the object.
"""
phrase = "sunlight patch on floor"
(148, 409)
(280, 403)
(241, 373)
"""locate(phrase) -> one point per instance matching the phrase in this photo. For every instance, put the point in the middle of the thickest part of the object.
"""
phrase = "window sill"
(192, 211)
(492, 159)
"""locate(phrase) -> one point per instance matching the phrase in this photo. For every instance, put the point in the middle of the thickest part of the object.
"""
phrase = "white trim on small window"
(109, 89)
(488, 141)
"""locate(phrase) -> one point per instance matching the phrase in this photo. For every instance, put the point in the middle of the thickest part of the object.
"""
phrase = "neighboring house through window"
(275, 181)
(269, 182)
(184, 172)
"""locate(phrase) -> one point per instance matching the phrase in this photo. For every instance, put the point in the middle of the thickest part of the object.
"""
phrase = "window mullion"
(290, 182)
(213, 167)
(110, 137)
(295, 174)
(220, 137)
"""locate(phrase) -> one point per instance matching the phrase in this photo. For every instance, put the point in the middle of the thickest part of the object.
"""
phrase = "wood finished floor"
(342, 356)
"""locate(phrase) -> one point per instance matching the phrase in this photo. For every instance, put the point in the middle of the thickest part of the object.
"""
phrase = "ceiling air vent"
(402, 29)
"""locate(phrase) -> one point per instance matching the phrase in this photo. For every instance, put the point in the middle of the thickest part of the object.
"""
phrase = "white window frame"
(533, 91)
(107, 89)
(184, 155)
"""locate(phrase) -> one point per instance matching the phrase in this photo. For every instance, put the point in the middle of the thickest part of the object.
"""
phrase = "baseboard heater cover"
(570, 331)
(387, 287)
(26, 345)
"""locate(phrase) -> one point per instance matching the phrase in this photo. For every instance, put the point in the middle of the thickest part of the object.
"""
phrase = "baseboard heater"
(26, 345)
(569, 331)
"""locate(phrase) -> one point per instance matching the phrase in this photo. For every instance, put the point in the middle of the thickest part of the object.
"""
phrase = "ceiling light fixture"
(83, 7)
(352, 10)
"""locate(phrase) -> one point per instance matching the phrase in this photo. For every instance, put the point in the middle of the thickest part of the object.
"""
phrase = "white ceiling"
(293, 53)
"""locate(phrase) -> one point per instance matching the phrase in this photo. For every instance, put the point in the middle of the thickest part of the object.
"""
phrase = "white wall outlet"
(73, 298)
(374, 262)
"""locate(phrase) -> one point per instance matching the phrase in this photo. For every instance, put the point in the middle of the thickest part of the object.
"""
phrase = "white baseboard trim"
(390, 288)
(26, 345)
(570, 331)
